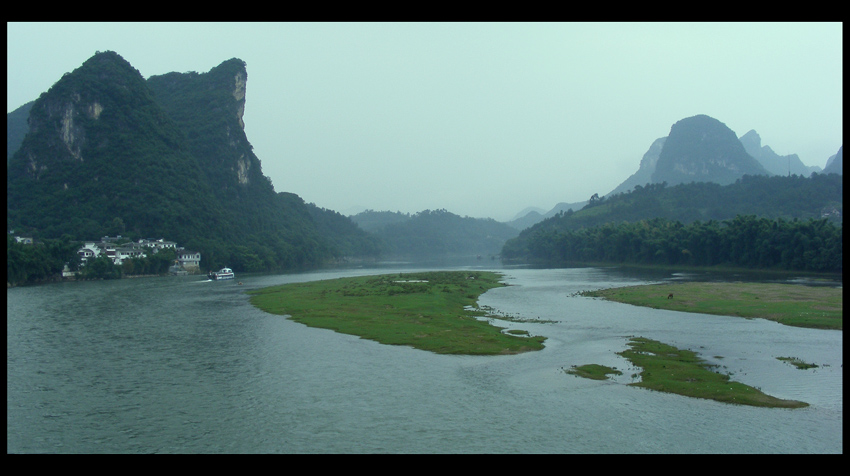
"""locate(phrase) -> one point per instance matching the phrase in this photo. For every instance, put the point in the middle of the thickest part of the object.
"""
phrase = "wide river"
(185, 365)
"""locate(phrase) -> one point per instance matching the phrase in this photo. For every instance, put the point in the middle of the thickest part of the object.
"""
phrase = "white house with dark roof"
(90, 250)
(127, 252)
(189, 260)
(157, 245)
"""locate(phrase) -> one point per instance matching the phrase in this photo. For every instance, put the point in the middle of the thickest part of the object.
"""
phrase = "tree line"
(744, 241)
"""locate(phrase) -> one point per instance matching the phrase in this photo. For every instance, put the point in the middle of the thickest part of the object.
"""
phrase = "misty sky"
(482, 119)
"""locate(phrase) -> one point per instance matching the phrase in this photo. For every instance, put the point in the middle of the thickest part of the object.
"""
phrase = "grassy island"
(433, 311)
(668, 369)
(819, 307)
(665, 368)
(593, 371)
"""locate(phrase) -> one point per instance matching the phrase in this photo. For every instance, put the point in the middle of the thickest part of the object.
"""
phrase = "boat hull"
(225, 273)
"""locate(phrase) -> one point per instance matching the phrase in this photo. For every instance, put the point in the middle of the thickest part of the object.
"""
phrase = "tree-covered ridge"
(374, 221)
(345, 237)
(438, 233)
(745, 241)
(779, 199)
(771, 197)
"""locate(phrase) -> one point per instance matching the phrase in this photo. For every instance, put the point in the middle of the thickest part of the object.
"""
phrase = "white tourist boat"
(224, 273)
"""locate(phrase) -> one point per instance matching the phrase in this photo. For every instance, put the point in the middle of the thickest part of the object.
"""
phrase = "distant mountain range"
(699, 149)
(435, 234)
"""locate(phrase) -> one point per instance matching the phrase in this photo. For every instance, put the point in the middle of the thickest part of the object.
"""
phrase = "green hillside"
(435, 234)
(758, 221)
(108, 152)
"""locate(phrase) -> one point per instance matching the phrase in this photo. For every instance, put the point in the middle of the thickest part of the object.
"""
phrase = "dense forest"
(34, 263)
(745, 241)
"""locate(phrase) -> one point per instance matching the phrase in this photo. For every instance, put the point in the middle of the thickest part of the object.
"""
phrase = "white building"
(189, 260)
(90, 250)
(157, 245)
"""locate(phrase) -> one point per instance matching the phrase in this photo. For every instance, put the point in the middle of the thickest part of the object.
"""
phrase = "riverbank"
(819, 307)
(433, 311)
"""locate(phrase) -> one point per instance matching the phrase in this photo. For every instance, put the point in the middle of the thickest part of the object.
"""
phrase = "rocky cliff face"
(835, 163)
(647, 167)
(703, 149)
(221, 90)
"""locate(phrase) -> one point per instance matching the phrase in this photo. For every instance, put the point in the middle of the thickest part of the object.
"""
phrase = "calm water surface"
(184, 365)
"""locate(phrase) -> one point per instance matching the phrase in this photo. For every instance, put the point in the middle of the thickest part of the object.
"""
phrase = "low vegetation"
(668, 369)
(799, 363)
(819, 307)
(433, 311)
(593, 371)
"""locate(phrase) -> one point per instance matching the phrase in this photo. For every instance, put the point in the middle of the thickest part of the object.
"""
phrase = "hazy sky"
(482, 119)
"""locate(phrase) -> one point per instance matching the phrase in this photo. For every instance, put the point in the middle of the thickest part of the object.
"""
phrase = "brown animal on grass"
(670, 296)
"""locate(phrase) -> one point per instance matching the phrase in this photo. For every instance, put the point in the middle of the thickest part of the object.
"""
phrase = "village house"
(187, 260)
(89, 250)
(157, 245)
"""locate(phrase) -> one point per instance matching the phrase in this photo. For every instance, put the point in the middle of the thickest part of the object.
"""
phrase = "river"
(186, 365)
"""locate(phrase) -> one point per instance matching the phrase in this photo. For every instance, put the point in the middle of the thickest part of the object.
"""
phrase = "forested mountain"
(703, 149)
(776, 197)
(349, 240)
(374, 222)
(435, 234)
(108, 152)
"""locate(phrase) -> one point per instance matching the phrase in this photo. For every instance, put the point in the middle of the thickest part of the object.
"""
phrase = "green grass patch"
(433, 311)
(800, 364)
(819, 307)
(593, 371)
(668, 369)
